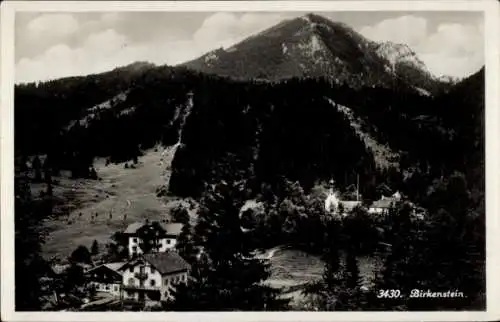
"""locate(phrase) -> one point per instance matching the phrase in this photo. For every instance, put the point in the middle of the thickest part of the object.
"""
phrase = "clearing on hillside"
(95, 209)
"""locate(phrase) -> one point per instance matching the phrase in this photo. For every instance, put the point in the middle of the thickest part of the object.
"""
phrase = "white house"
(383, 205)
(106, 278)
(151, 278)
(165, 236)
(333, 203)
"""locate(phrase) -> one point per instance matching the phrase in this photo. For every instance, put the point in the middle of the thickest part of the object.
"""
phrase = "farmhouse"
(163, 236)
(382, 206)
(152, 277)
(106, 278)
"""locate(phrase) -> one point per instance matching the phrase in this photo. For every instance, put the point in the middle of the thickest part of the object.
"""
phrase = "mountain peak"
(314, 46)
(311, 17)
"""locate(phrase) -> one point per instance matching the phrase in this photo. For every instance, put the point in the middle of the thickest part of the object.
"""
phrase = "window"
(134, 249)
(168, 241)
(152, 269)
(153, 282)
(131, 281)
(116, 287)
(131, 269)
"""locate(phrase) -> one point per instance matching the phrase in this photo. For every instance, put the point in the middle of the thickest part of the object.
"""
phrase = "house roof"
(349, 205)
(172, 228)
(115, 266)
(385, 187)
(167, 262)
(133, 227)
(383, 203)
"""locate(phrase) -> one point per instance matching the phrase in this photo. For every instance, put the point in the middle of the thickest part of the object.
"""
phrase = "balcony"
(141, 276)
(141, 287)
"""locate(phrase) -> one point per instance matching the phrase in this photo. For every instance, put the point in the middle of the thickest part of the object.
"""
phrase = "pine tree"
(350, 296)
(29, 264)
(230, 278)
(37, 167)
(180, 215)
(94, 249)
(402, 265)
(185, 244)
(453, 254)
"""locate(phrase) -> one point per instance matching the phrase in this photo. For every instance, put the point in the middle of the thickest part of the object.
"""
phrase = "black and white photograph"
(249, 158)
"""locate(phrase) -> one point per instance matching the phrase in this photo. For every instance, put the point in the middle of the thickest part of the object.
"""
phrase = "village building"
(165, 235)
(382, 206)
(333, 203)
(151, 278)
(106, 278)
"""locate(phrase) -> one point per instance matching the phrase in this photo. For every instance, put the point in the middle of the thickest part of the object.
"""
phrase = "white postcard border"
(491, 11)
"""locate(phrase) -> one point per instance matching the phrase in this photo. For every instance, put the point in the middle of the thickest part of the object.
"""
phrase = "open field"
(95, 209)
(291, 267)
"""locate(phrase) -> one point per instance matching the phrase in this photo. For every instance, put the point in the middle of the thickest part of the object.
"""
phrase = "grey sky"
(52, 45)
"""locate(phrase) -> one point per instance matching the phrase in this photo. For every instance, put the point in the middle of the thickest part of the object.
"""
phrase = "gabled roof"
(133, 227)
(170, 228)
(115, 266)
(166, 263)
(385, 187)
(349, 205)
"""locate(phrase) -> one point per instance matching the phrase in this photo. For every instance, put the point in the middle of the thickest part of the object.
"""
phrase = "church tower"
(331, 202)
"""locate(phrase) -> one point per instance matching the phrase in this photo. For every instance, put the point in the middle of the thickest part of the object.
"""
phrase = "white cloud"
(405, 29)
(100, 50)
(452, 49)
(52, 25)
(224, 29)
(106, 49)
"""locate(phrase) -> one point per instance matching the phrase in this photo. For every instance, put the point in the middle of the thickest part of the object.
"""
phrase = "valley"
(100, 207)
(324, 172)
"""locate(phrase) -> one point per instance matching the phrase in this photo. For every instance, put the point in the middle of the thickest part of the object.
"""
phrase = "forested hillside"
(275, 142)
(270, 130)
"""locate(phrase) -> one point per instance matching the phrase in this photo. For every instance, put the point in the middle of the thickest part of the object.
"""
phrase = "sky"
(53, 45)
